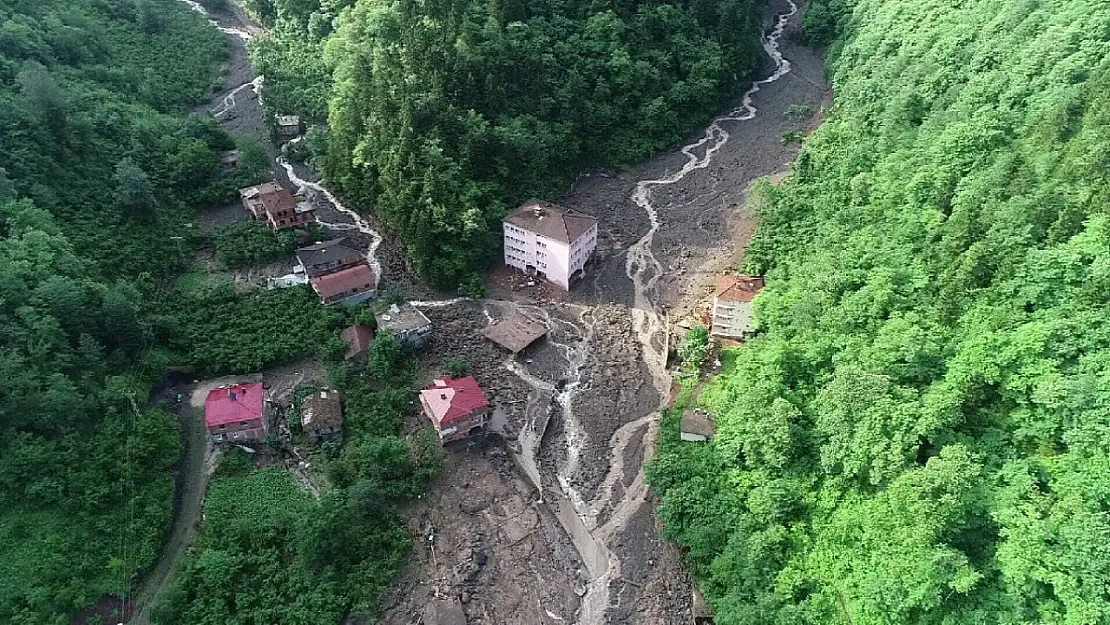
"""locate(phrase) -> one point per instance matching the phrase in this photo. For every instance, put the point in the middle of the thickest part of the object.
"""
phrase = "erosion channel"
(581, 411)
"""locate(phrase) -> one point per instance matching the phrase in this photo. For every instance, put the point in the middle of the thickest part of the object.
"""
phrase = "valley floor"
(550, 520)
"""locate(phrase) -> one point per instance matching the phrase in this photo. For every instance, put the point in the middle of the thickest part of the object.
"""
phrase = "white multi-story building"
(732, 306)
(550, 241)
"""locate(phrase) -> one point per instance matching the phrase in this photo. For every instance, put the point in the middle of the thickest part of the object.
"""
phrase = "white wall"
(555, 259)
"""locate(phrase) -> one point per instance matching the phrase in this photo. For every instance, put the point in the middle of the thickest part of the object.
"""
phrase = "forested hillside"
(99, 167)
(920, 432)
(444, 114)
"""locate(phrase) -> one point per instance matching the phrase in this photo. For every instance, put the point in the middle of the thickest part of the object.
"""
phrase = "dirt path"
(193, 475)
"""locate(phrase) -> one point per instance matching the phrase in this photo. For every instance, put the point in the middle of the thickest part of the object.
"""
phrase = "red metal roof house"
(236, 413)
(456, 408)
(351, 285)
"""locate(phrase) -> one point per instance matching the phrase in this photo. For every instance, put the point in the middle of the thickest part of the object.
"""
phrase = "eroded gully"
(580, 516)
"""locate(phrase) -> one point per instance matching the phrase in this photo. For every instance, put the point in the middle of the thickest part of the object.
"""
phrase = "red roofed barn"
(236, 413)
(358, 340)
(456, 408)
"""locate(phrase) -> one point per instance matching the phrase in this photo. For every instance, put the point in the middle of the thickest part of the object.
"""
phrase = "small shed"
(697, 426)
(358, 339)
(515, 332)
(443, 612)
(289, 125)
(229, 160)
(703, 615)
(322, 416)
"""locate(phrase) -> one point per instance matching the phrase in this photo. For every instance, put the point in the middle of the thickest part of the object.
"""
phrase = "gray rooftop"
(402, 318)
(325, 252)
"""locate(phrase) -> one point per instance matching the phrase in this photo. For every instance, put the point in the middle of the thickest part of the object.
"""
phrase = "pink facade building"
(549, 241)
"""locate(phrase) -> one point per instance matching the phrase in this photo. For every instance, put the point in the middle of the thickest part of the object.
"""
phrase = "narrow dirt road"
(193, 479)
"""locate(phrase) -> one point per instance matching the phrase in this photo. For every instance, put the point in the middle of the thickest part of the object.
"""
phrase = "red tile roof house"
(236, 414)
(272, 202)
(456, 408)
(350, 286)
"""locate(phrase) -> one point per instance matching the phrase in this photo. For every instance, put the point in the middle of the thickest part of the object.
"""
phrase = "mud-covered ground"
(577, 413)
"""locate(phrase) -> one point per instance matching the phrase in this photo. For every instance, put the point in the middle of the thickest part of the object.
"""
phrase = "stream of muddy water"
(578, 515)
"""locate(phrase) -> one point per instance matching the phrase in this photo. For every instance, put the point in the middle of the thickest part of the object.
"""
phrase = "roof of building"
(232, 404)
(322, 409)
(260, 189)
(278, 200)
(515, 332)
(288, 120)
(358, 340)
(450, 400)
(326, 252)
(738, 288)
(402, 318)
(443, 612)
(230, 156)
(701, 609)
(344, 280)
(551, 221)
(699, 422)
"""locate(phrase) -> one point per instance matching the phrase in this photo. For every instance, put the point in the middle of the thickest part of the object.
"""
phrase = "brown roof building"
(549, 241)
(322, 415)
(358, 339)
(272, 202)
(328, 256)
(732, 305)
(515, 332)
(352, 285)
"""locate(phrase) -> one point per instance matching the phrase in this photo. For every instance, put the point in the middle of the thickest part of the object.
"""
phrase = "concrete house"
(272, 202)
(358, 339)
(549, 241)
(407, 324)
(456, 408)
(236, 414)
(350, 286)
(328, 256)
(322, 416)
(288, 125)
(732, 306)
(697, 426)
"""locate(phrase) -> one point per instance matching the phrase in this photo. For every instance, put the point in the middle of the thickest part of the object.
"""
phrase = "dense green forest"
(444, 114)
(919, 434)
(98, 169)
(102, 173)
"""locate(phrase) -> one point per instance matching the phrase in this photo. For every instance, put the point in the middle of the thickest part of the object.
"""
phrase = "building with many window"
(549, 241)
(732, 306)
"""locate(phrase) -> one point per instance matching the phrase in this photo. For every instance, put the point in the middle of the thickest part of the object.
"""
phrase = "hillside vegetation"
(444, 114)
(98, 168)
(920, 433)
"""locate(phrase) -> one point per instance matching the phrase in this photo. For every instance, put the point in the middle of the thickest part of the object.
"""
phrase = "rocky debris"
(483, 544)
